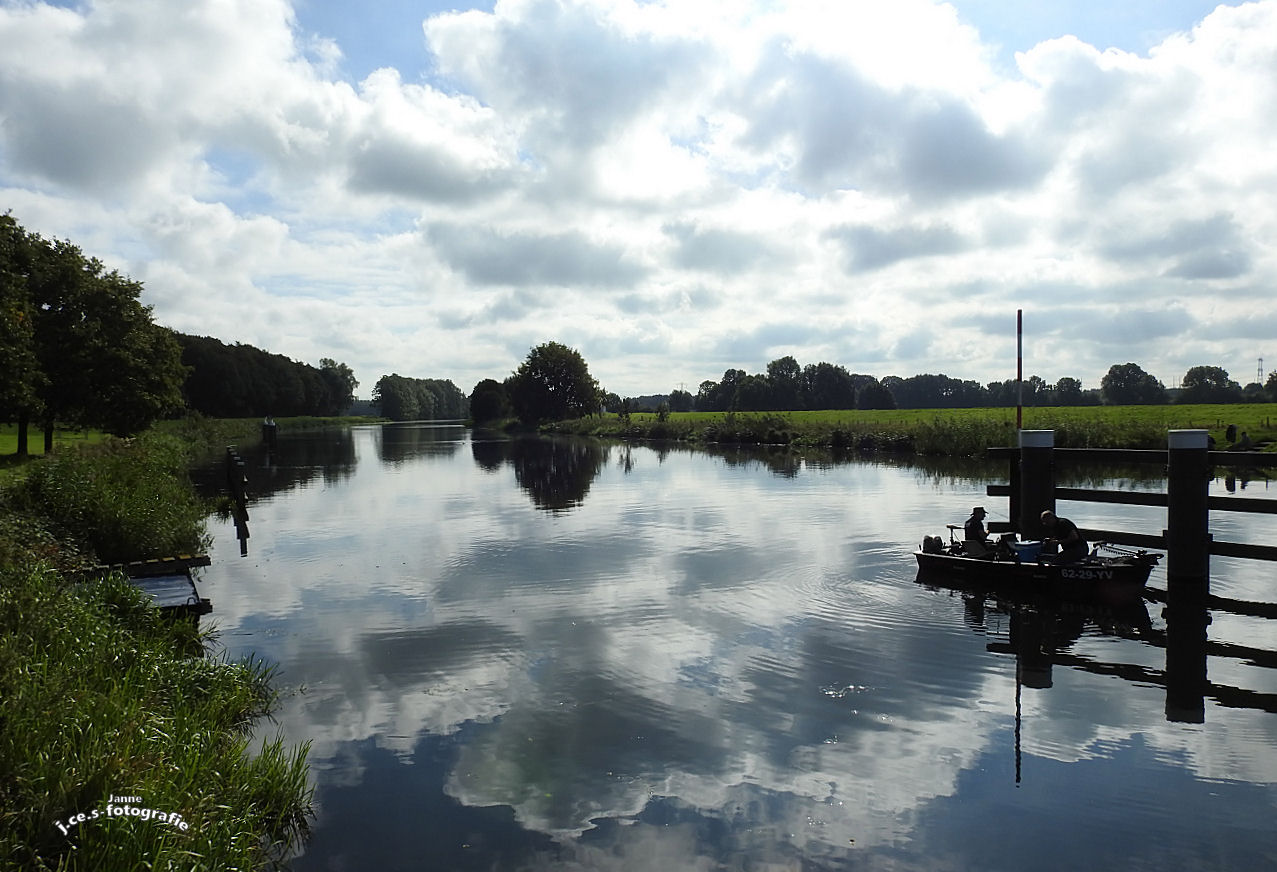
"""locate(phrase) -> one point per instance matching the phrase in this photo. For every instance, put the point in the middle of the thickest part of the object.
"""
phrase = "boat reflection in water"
(1040, 631)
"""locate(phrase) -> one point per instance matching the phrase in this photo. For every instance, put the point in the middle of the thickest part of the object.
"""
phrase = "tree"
(103, 362)
(1270, 386)
(707, 397)
(1068, 392)
(729, 389)
(339, 383)
(20, 387)
(488, 401)
(394, 398)
(786, 379)
(754, 394)
(828, 386)
(681, 401)
(872, 394)
(1209, 384)
(552, 384)
(1126, 384)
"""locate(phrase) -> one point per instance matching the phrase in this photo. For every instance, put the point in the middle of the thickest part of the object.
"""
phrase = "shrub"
(122, 501)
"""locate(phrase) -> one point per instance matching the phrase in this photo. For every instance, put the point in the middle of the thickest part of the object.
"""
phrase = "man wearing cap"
(974, 527)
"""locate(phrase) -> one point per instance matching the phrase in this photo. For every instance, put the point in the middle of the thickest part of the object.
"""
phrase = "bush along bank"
(118, 750)
(826, 430)
(938, 432)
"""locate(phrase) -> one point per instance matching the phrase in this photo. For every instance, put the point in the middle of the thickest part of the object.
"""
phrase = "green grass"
(101, 702)
(101, 696)
(35, 439)
(116, 501)
(939, 431)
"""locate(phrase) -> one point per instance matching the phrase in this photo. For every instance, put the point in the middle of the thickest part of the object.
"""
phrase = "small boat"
(1109, 574)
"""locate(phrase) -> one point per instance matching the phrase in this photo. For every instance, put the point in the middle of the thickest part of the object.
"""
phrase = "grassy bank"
(101, 697)
(938, 431)
(100, 702)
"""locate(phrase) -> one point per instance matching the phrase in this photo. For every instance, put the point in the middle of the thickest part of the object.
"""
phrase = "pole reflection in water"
(577, 656)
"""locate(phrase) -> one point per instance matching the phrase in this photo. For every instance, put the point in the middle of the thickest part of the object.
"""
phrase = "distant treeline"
(786, 386)
(240, 381)
(400, 398)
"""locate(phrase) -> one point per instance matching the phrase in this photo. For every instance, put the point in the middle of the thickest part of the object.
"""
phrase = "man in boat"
(1066, 535)
(973, 529)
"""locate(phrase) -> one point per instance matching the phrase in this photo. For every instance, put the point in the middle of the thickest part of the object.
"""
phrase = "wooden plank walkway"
(169, 582)
(174, 592)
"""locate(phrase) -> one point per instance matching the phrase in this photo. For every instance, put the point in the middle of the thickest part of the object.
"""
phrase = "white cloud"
(609, 157)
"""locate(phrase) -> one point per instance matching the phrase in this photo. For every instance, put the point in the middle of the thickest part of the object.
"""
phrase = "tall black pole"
(1019, 369)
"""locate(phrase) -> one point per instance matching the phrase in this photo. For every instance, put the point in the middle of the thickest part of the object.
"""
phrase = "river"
(538, 654)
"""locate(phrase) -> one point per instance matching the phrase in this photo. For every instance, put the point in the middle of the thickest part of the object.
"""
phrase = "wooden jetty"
(169, 582)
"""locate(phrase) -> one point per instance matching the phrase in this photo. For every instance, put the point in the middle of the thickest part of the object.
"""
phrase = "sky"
(672, 188)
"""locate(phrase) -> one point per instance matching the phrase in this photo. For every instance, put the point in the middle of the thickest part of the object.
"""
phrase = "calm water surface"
(561, 655)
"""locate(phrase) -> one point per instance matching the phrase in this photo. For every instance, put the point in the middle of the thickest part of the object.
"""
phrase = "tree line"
(239, 381)
(400, 398)
(554, 383)
(79, 349)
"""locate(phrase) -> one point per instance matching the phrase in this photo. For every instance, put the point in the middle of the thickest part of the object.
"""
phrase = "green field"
(941, 431)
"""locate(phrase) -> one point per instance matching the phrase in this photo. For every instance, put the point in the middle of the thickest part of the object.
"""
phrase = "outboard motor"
(932, 545)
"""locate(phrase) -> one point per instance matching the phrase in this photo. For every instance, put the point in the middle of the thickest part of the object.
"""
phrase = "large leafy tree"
(339, 383)
(552, 384)
(828, 386)
(488, 401)
(1126, 384)
(1068, 392)
(786, 379)
(99, 360)
(1209, 384)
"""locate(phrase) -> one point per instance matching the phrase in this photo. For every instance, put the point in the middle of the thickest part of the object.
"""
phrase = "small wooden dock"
(169, 582)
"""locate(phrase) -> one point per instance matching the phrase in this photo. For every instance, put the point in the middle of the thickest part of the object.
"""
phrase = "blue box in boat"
(1027, 550)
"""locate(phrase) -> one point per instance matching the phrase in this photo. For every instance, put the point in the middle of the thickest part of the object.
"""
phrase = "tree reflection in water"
(557, 474)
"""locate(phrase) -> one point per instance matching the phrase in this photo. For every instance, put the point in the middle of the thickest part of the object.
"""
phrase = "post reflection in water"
(563, 655)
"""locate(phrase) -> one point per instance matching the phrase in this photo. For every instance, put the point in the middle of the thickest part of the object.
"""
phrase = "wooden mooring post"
(237, 484)
(1036, 481)
(1188, 477)
(1187, 535)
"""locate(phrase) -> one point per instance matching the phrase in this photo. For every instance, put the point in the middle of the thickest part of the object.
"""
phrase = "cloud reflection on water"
(740, 656)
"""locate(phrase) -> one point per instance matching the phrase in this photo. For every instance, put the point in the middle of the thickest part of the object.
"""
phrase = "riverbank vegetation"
(959, 432)
(102, 703)
(103, 697)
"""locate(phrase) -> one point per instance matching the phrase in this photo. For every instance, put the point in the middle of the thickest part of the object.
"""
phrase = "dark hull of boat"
(1109, 581)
